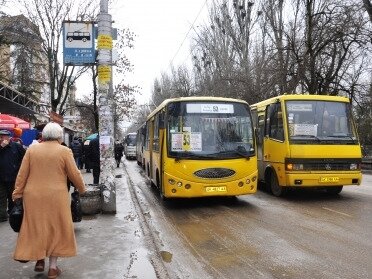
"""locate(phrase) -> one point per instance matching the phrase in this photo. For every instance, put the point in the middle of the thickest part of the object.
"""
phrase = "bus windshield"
(320, 121)
(131, 140)
(203, 130)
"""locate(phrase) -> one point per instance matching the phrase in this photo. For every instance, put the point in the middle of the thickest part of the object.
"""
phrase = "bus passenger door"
(260, 131)
(150, 142)
(274, 150)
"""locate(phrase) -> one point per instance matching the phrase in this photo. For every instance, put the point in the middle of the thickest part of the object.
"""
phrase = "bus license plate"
(212, 189)
(329, 179)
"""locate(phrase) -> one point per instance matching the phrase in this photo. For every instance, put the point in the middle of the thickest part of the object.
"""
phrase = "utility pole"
(105, 108)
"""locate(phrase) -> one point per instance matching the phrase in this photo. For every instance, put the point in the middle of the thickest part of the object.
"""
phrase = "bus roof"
(193, 98)
(287, 97)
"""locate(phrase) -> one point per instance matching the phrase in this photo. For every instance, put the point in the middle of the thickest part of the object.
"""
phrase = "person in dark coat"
(118, 150)
(11, 155)
(94, 159)
(77, 151)
(86, 156)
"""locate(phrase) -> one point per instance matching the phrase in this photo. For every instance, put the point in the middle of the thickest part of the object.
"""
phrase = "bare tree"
(368, 6)
(49, 16)
(123, 93)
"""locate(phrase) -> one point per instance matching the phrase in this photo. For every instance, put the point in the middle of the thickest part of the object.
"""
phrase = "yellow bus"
(140, 143)
(306, 141)
(200, 146)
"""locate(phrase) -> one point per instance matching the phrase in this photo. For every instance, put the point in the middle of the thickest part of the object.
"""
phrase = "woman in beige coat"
(47, 229)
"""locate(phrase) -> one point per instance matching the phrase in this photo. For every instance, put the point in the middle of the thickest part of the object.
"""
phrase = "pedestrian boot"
(54, 273)
(39, 266)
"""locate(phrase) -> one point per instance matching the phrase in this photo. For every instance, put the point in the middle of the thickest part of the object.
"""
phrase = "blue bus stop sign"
(78, 43)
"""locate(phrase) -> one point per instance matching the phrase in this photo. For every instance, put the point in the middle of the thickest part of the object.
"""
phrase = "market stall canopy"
(92, 136)
(10, 122)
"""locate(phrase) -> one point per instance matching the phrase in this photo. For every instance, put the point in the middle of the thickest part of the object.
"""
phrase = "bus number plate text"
(212, 189)
(329, 179)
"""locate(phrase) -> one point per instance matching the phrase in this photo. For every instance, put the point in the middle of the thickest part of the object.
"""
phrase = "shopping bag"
(16, 215)
(76, 207)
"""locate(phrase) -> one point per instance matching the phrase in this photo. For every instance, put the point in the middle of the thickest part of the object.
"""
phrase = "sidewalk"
(109, 246)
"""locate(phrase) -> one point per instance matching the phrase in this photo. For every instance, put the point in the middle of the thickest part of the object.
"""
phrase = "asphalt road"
(307, 234)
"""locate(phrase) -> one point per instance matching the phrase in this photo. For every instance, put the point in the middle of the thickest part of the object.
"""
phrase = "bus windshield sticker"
(176, 141)
(290, 118)
(304, 130)
(186, 141)
(209, 108)
(196, 142)
(299, 107)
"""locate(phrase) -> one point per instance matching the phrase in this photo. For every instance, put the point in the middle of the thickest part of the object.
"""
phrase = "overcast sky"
(161, 27)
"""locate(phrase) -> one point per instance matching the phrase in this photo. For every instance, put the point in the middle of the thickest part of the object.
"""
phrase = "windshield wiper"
(307, 136)
(342, 137)
(187, 155)
(235, 151)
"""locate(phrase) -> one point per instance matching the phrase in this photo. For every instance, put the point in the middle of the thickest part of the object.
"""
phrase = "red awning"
(9, 122)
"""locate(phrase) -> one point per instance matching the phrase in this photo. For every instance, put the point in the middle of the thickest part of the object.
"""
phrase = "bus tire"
(160, 187)
(276, 189)
(334, 190)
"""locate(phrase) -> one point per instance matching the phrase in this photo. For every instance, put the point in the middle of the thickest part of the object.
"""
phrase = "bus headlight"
(179, 184)
(353, 166)
(171, 181)
(295, 167)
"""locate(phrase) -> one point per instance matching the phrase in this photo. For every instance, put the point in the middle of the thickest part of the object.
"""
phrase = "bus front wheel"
(160, 188)
(275, 188)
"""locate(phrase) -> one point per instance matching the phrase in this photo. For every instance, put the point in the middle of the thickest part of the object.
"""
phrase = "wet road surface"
(307, 234)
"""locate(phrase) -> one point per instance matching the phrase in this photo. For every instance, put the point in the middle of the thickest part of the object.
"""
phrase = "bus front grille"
(327, 166)
(214, 173)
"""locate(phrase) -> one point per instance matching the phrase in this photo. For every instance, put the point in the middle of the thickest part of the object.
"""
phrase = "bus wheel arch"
(271, 179)
(160, 186)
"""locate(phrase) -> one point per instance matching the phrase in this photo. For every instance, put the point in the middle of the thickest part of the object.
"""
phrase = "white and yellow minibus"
(201, 146)
(306, 141)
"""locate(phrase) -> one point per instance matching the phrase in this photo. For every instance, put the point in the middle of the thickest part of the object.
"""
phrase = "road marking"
(335, 211)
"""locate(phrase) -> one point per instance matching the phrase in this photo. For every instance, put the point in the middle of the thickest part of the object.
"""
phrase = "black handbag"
(76, 211)
(16, 215)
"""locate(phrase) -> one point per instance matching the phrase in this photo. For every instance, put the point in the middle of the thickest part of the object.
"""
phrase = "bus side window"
(260, 128)
(275, 124)
(155, 143)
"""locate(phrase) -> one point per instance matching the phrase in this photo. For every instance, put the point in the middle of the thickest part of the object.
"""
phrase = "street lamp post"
(105, 108)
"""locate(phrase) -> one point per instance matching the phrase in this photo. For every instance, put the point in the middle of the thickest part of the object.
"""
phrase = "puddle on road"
(166, 256)
(140, 266)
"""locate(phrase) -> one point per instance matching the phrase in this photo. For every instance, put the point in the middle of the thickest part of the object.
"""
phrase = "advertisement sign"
(78, 43)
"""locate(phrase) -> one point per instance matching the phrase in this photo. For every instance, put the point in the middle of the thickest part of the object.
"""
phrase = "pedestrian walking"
(47, 229)
(94, 159)
(17, 135)
(86, 156)
(81, 162)
(77, 151)
(37, 139)
(11, 155)
(118, 150)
